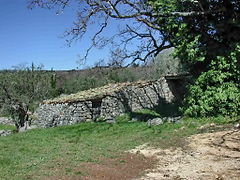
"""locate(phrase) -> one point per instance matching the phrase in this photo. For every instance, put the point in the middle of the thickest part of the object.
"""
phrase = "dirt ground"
(126, 166)
(206, 156)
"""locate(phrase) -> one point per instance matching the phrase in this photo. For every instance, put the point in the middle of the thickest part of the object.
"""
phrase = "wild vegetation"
(204, 34)
(73, 81)
(22, 90)
(32, 82)
(205, 38)
(62, 151)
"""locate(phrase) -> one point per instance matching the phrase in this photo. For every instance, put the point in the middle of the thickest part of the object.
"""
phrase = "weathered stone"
(174, 119)
(237, 126)
(159, 121)
(5, 120)
(108, 101)
(109, 120)
(5, 132)
(155, 122)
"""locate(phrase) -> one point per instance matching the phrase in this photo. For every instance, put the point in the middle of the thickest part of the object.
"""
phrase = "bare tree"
(116, 60)
(138, 35)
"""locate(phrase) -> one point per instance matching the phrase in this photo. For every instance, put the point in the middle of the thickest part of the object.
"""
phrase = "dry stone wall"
(128, 98)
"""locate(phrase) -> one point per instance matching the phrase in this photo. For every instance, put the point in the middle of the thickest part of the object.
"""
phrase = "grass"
(37, 153)
(7, 127)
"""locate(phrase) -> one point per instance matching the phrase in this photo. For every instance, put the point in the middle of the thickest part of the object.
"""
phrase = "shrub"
(216, 91)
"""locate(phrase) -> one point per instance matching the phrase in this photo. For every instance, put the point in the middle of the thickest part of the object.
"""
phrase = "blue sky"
(28, 36)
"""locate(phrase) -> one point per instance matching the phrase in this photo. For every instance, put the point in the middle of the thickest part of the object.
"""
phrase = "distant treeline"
(73, 81)
(28, 86)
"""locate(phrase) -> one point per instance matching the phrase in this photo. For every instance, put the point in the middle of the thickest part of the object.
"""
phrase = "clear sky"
(28, 36)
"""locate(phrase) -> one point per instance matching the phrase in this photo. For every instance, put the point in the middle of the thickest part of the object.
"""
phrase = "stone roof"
(96, 93)
(178, 76)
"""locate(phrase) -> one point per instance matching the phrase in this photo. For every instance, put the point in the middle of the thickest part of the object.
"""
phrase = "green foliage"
(97, 79)
(216, 91)
(188, 50)
(148, 112)
(216, 100)
(27, 85)
(140, 115)
(124, 75)
(53, 80)
(205, 36)
(113, 76)
(7, 127)
(123, 118)
(22, 90)
(81, 84)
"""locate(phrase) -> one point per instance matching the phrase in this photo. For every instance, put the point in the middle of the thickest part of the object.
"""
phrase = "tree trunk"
(21, 121)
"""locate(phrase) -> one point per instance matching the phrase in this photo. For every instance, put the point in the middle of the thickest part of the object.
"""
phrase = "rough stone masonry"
(108, 101)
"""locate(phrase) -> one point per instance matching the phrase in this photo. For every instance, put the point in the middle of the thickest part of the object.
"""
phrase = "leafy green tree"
(205, 35)
(22, 89)
(216, 91)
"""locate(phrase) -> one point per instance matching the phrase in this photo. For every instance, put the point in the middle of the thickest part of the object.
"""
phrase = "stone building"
(108, 101)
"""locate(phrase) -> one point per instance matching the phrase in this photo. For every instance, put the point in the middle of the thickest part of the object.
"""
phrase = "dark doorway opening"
(96, 108)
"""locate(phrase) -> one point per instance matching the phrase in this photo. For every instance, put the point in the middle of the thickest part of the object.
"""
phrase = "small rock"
(109, 120)
(5, 120)
(201, 127)
(155, 122)
(134, 119)
(182, 128)
(212, 125)
(159, 121)
(32, 127)
(237, 126)
(5, 132)
(173, 119)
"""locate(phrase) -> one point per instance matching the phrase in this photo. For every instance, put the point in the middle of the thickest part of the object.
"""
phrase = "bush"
(216, 91)
(215, 100)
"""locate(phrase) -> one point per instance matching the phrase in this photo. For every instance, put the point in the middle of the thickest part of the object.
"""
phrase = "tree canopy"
(154, 24)
(207, 29)
(22, 89)
(206, 37)
(137, 27)
(205, 34)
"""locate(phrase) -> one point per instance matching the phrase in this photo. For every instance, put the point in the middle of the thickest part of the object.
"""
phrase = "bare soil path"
(206, 156)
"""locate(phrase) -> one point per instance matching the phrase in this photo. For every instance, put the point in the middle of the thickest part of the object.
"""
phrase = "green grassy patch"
(41, 153)
(7, 127)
